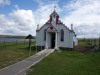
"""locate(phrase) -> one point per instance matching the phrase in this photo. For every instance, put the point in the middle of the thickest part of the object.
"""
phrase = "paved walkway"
(21, 67)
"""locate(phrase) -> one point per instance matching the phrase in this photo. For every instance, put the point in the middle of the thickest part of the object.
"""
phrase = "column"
(56, 41)
(46, 46)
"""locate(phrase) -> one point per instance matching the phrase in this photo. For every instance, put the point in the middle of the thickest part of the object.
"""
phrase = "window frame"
(45, 35)
(62, 35)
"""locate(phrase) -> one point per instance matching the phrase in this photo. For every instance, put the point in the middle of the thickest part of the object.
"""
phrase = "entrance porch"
(51, 40)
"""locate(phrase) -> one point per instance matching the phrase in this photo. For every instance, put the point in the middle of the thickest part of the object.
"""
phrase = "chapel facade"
(54, 34)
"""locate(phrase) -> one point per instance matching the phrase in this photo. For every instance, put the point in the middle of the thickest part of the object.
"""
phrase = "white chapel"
(54, 34)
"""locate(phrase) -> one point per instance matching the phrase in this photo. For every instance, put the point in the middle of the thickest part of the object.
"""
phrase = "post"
(36, 48)
(56, 45)
(16, 42)
(4, 42)
(99, 42)
(30, 52)
(30, 46)
(29, 43)
(24, 41)
(69, 41)
(46, 41)
(41, 46)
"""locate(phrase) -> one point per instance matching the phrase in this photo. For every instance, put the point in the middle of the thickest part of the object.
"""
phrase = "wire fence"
(88, 44)
(93, 42)
(15, 42)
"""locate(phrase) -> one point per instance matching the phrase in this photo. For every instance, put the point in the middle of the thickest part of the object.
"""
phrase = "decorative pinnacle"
(71, 26)
(54, 7)
(38, 27)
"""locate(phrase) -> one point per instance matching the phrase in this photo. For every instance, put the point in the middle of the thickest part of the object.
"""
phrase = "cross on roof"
(54, 7)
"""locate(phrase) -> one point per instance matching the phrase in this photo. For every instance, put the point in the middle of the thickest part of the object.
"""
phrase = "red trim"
(48, 27)
(57, 19)
(57, 22)
(52, 26)
(50, 19)
(44, 25)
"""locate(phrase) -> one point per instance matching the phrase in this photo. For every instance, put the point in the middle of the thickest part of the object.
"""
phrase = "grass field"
(57, 63)
(88, 42)
(68, 63)
(13, 52)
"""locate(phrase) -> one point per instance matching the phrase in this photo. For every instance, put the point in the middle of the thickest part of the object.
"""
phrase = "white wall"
(68, 37)
(40, 36)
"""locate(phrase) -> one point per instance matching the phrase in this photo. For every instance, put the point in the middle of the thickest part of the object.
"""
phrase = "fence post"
(24, 41)
(41, 47)
(30, 52)
(36, 48)
(16, 42)
(99, 42)
(94, 42)
(91, 42)
(4, 42)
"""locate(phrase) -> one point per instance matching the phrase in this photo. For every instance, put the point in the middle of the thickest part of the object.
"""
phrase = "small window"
(44, 34)
(62, 35)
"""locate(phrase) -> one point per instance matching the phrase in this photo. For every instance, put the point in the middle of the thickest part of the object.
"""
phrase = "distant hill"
(13, 36)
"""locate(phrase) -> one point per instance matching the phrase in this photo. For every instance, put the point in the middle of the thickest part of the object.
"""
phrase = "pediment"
(51, 28)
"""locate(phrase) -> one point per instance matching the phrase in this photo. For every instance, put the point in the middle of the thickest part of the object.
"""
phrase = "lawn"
(68, 63)
(12, 52)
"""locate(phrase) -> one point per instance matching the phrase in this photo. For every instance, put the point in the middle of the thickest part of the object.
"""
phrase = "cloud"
(16, 6)
(42, 14)
(85, 15)
(5, 2)
(46, 2)
(5, 24)
(24, 22)
(20, 22)
(88, 31)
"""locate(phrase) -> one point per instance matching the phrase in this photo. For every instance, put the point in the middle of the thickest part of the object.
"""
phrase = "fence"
(92, 42)
(16, 42)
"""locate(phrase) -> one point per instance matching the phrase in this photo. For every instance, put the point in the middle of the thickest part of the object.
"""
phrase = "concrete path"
(21, 67)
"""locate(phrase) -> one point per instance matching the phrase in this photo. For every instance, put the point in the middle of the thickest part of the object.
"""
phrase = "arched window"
(44, 34)
(62, 35)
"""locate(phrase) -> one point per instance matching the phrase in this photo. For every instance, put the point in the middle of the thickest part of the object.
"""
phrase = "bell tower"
(54, 18)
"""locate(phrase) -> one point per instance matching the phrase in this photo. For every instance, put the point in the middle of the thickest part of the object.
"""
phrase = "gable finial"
(38, 27)
(71, 26)
(54, 7)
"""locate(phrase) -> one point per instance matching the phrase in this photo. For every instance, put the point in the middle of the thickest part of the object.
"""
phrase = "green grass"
(82, 44)
(13, 52)
(68, 63)
(88, 41)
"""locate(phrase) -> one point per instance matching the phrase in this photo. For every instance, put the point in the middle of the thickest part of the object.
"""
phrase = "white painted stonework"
(54, 34)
